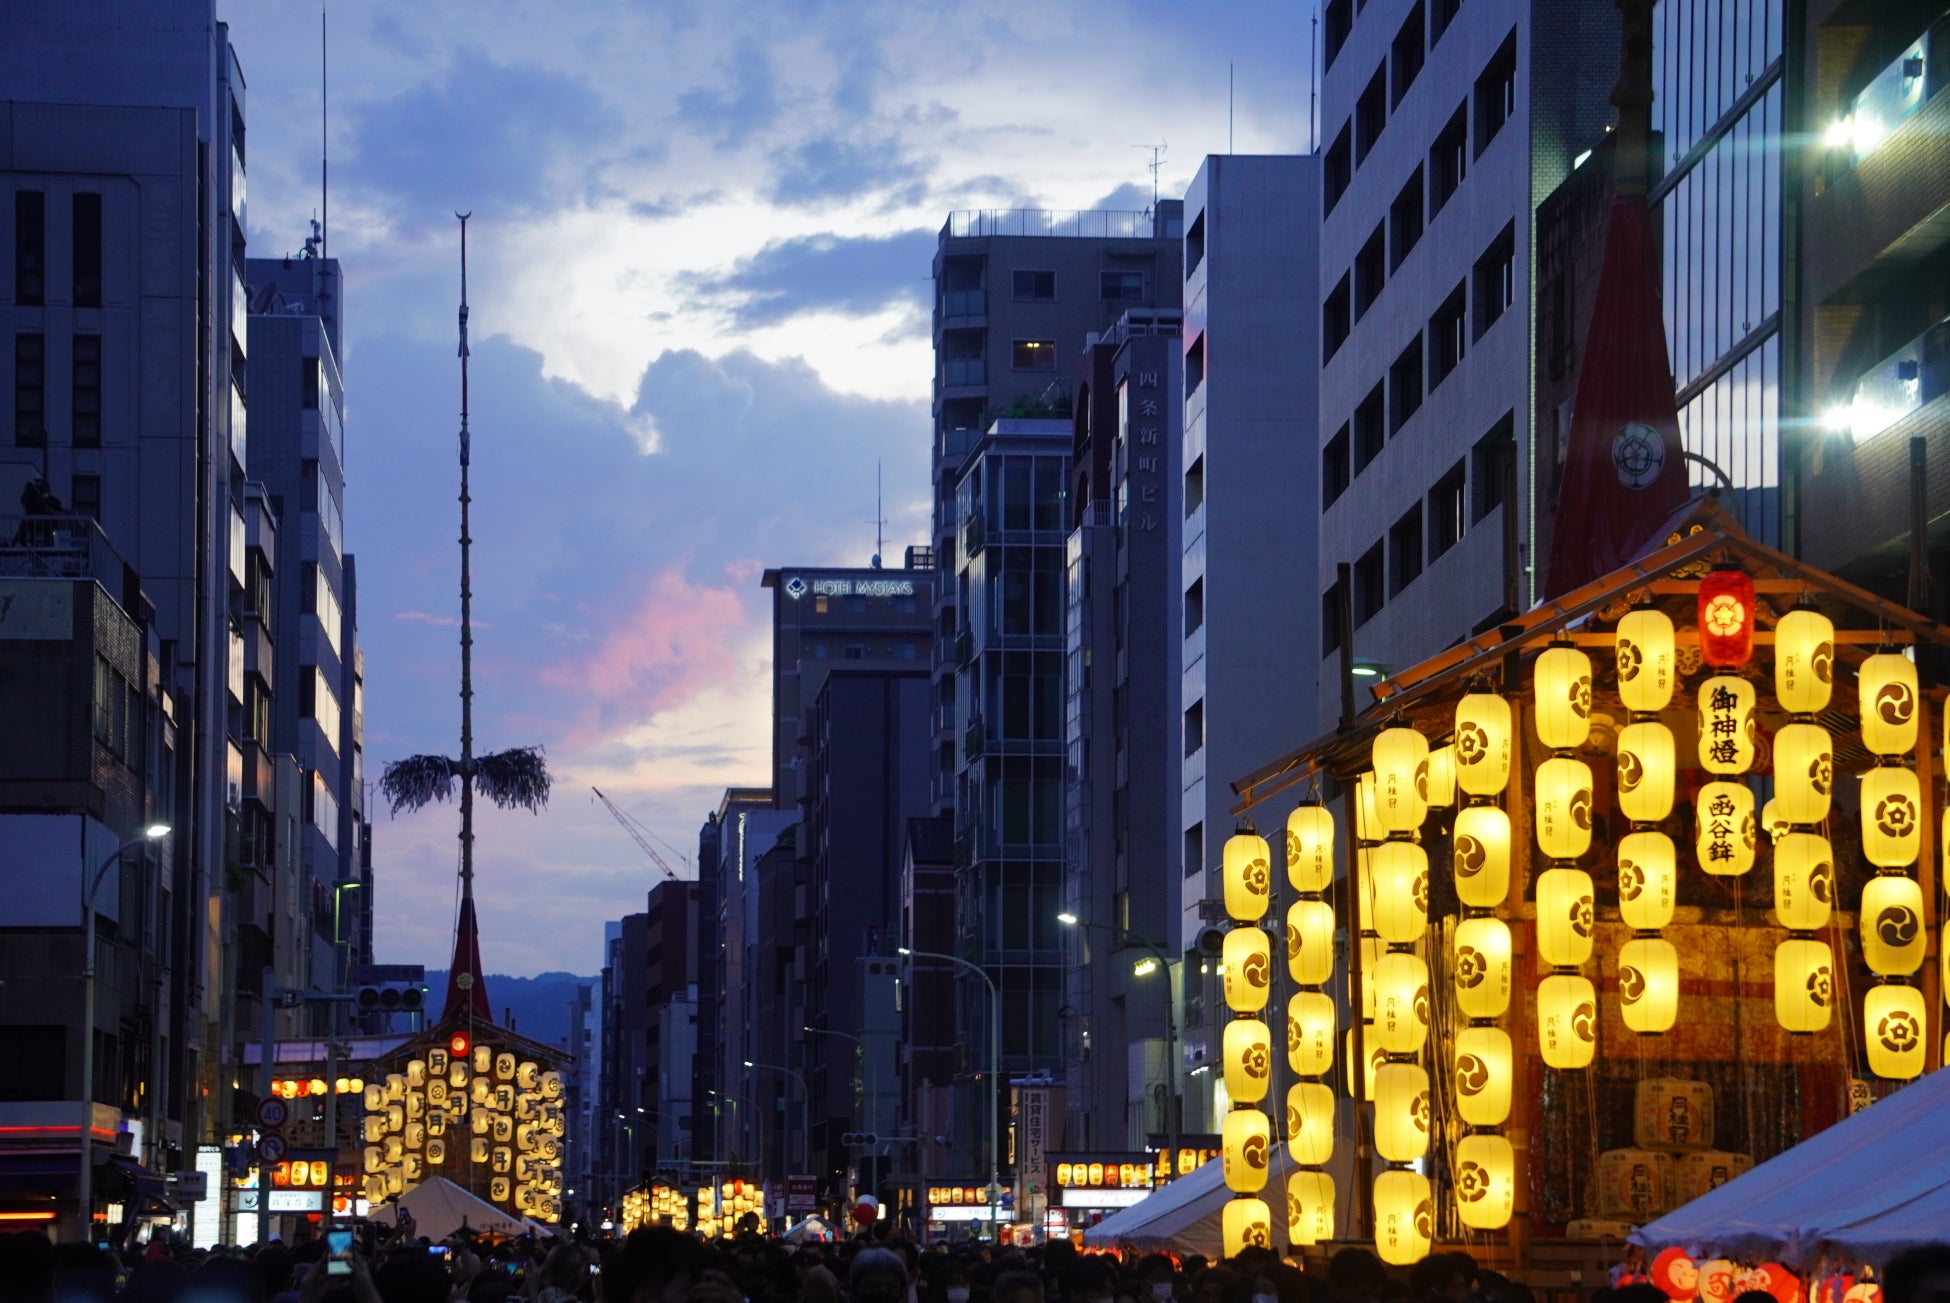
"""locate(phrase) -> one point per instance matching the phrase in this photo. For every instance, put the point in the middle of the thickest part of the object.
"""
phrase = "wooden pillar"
(1927, 874)
(1521, 1028)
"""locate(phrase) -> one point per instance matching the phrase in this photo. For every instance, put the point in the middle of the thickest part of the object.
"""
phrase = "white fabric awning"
(1185, 1215)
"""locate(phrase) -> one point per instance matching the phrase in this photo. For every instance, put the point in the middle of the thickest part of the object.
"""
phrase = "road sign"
(272, 1113)
(271, 1148)
(801, 1194)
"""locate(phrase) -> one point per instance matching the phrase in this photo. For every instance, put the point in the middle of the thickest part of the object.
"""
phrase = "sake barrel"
(1634, 1184)
(1701, 1171)
(1673, 1113)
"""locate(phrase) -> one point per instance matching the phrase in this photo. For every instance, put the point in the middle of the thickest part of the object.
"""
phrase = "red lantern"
(1726, 618)
(1674, 1273)
(1773, 1278)
(867, 1210)
(457, 1045)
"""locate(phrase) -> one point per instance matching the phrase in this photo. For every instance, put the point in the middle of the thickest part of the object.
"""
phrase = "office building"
(649, 1040)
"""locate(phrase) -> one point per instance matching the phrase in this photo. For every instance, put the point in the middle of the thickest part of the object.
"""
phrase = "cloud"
(1127, 198)
(740, 106)
(857, 275)
(830, 169)
(671, 643)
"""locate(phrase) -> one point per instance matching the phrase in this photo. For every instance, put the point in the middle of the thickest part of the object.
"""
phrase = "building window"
(1370, 114)
(1405, 220)
(1336, 319)
(1035, 286)
(1405, 387)
(1334, 469)
(1370, 429)
(1340, 26)
(1405, 550)
(1448, 329)
(86, 414)
(1337, 172)
(30, 390)
(1033, 355)
(1448, 510)
(1195, 244)
(1195, 366)
(1194, 727)
(85, 496)
(87, 251)
(1194, 850)
(1490, 463)
(1441, 14)
(1496, 93)
(1370, 585)
(1194, 607)
(1195, 486)
(1406, 55)
(1449, 159)
(30, 248)
(1120, 286)
(308, 383)
(1331, 633)
(1496, 279)
(1370, 271)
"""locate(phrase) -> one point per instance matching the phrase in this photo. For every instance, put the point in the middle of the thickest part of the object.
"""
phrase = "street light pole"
(805, 1110)
(1120, 936)
(995, 1068)
(85, 1190)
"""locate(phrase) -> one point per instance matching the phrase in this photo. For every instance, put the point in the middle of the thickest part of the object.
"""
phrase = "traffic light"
(390, 998)
(861, 1139)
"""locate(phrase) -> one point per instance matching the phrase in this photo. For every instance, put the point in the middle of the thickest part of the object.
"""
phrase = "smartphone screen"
(440, 1251)
(338, 1257)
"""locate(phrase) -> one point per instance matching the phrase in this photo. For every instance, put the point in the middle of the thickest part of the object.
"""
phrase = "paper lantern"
(1564, 917)
(1375, 1056)
(1648, 770)
(1401, 983)
(1728, 829)
(1486, 1181)
(1726, 618)
(1248, 876)
(1804, 661)
(1562, 684)
(1726, 725)
(1401, 1112)
(1438, 782)
(1482, 967)
(1804, 881)
(1310, 942)
(1484, 1073)
(1892, 808)
(1892, 1027)
(1246, 1223)
(1481, 859)
(1310, 1122)
(1804, 984)
(1367, 827)
(1309, 1207)
(1886, 685)
(375, 1096)
(1648, 984)
(1675, 1274)
(1404, 1217)
(1310, 848)
(1648, 880)
(1245, 1136)
(1248, 1060)
(1247, 958)
(1646, 655)
(1892, 925)
(1370, 951)
(1399, 754)
(1804, 772)
(1310, 1026)
(1563, 807)
(1482, 743)
(1567, 1020)
(1399, 878)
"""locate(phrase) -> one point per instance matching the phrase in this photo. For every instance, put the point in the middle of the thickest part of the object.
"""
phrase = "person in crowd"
(1919, 1275)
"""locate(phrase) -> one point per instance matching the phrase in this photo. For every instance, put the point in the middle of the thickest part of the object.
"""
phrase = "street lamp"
(1151, 963)
(805, 1109)
(85, 1194)
(995, 1066)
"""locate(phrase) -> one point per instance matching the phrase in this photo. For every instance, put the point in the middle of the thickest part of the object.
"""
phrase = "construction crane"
(630, 827)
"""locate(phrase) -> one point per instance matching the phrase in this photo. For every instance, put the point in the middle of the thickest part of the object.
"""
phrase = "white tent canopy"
(1866, 1189)
(440, 1208)
(1184, 1216)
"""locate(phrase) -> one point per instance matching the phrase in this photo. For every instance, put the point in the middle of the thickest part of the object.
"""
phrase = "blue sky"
(698, 272)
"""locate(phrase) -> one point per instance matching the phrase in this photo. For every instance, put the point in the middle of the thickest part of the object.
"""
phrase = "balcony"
(62, 547)
(964, 303)
(1914, 375)
(964, 373)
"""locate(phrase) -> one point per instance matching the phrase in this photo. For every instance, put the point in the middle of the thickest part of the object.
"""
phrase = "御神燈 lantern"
(1648, 880)
(1804, 661)
(1892, 1028)
(1804, 881)
(1892, 809)
(1245, 1139)
(1401, 1112)
(1891, 918)
(1310, 1033)
(1726, 725)
(1482, 743)
(1646, 653)
(1246, 1223)
(1565, 917)
(1401, 986)
(1482, 967)
(1247, 957)
(1248, 1060)
(1804, 985)
(1399, 877)
(1567, 1020)
(1309, 1207)
(1404, 1215)
(1310, 848)
(1563, 807)
(1480, 857)
(1310, 942)
(1248, 876)
(1726, 618)
(1485, 1170)
(1648, 771)
(1804, 772)
(1728, 828)
(1310, 1122)
(1648, 984)
(1886, 686)
(1562, 683)
(1399, 754)
(1484, 1073)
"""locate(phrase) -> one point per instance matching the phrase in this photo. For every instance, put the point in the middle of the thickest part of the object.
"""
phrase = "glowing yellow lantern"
(1375, 1054)
(1804, 985)
(1482, 743)
(499, 1189)
(483, 1059)
(1404, 1217)
(395, 1087)
(1563, 807)
(375, 1128)
(1481, 860)
(1726, 725)
(1891, 817)
(395, 1118)
(1401, 985)
(1562, 680)
(1246, 1223)
(1804, 881)
(1484, 1072)
(1804, 772)
(528, 1076)
(375, 1098)
(375, 1158)
(1486, 1181)
(1648, 880)
(1647, 653)
(1439, 777)
(436, 1152)
(1648, 984)
(504, 1065)
(1567, 1020)
(1482, 967)
(1564, 917)
(1399, 872)
(1248, 879)
(1310, 1024)
(1647, 771)
(1310, 942)
(415, 1167)
(1401, 1112)
(1892, 925)
(1310, 848)
(1248, 1060)
(1245, 1138)
(1727, 829)
(1804, 661)
(1399, 755)
(1309, 1207)
(1886, 685)
(1247, 957)
(1892, 1027)
(1367, 827)
(1310, 1122)
(416, 1073)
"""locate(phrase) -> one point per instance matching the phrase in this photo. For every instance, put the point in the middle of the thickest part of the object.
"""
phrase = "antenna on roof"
(324, 144)
(1228, 108)
(879, 518)
(1157, 161)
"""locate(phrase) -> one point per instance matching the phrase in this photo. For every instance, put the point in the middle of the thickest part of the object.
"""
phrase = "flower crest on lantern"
(1482, 967)
(1248, 1049)
(1247, 874)
(1648, 880)
(1485, 1180)
(1246, 1223)
(1891, 817)
(1892, 1024)
(1565, 917)
(1726, 617)
(1646, 654)
(1482, 743)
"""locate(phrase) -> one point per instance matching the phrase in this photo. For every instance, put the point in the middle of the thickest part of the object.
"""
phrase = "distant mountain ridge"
(539, 1004)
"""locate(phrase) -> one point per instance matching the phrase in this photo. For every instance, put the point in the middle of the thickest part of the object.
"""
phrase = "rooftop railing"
(59, 547)
(1091, 224)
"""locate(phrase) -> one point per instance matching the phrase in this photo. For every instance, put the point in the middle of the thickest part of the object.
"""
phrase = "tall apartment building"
(1121, 731)
(122, 165)
(649, 1032)
(1446, 122)
(1249, 621)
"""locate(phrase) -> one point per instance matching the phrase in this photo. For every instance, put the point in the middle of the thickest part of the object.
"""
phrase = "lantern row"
(1246, 1132)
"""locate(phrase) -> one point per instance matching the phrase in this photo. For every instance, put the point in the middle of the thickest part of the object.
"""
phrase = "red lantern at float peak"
(457, 1045)
(1726, 617)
